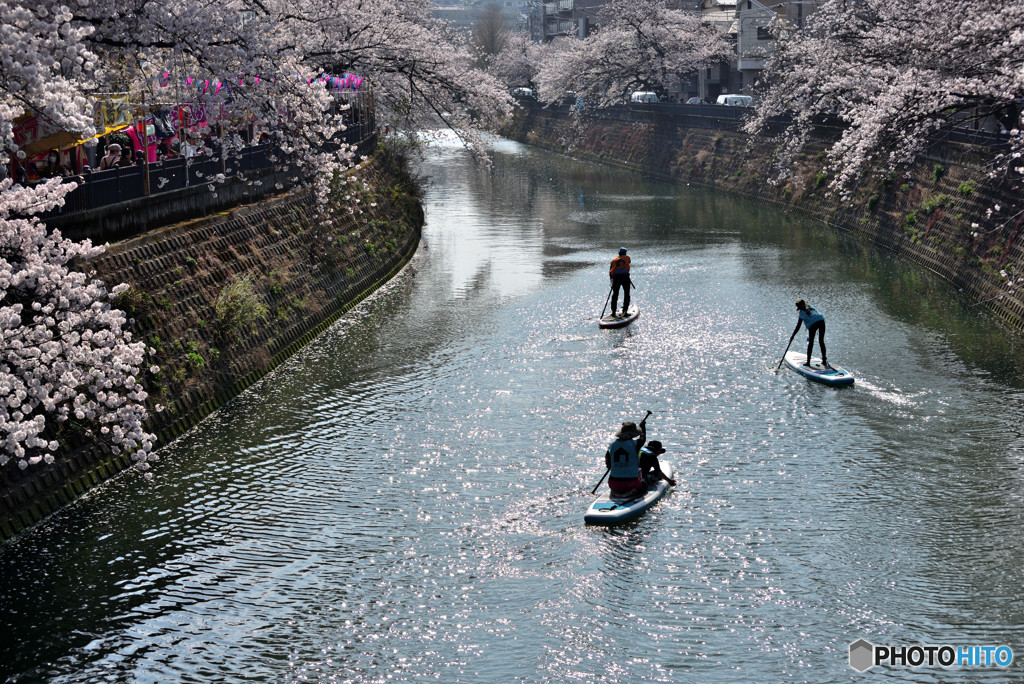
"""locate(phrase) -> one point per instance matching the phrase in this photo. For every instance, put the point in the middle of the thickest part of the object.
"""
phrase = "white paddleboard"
(830, 375)
(610, 321)
(608, 511)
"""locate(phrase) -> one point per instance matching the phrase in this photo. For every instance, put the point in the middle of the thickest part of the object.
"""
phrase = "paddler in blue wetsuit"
(815, 324)
(619, 273)
(623, 460)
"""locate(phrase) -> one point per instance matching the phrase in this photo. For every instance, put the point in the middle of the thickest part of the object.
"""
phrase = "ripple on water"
(404, 498)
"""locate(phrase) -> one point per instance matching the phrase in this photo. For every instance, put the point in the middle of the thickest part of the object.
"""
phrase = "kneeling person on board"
(650, 468)
(619, 273)
(815, 323)
(623, 460)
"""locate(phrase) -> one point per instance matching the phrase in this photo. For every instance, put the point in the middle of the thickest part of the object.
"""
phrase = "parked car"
(524, 93)
(643, 96)
(735, 100)
(695, 100)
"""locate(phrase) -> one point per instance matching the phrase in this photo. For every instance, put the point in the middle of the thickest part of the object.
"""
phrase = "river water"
(403, 500)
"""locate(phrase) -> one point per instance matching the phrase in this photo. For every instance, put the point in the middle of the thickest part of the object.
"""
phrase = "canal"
(403, 500)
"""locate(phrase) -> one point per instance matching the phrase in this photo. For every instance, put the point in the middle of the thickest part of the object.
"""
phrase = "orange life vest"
(620, 264)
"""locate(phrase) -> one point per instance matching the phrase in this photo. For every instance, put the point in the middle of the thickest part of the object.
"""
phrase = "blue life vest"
(810, 316)
(624, 459)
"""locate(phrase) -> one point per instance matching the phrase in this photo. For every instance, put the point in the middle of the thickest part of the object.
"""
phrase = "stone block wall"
(301, 269)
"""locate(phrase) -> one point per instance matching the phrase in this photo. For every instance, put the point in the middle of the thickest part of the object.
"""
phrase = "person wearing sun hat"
(623, 459)
(650, 469)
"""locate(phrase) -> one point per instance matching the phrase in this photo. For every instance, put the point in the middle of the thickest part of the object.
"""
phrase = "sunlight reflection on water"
(404, 498)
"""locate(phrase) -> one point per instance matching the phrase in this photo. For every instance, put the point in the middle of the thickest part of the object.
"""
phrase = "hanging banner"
(111, 112)
(36, 134)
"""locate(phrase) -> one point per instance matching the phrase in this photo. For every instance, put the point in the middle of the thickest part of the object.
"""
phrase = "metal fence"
(113, 186)
(721, 117)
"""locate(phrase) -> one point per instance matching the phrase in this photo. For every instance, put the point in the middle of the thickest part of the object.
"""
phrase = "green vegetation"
(929, 206)
(938, 171)
(873, 202)
(132, 300)
(238, 307)
(966, 188)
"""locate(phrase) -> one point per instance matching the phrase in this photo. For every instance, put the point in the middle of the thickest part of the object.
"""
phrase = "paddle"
(594, 490)
(606, 300)
(791, 338)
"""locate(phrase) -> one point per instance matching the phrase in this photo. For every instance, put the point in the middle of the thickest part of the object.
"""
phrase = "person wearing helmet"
(619, 273)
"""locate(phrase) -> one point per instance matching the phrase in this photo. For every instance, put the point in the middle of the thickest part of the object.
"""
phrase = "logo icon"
(862, 655)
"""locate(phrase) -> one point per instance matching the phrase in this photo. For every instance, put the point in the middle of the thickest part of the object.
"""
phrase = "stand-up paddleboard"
(816, 371)
(620, 321)
(611, 511)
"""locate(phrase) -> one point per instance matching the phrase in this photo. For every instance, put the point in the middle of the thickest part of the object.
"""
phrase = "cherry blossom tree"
(641, 44)
(519, 61)
(69, 361)
(897, 72)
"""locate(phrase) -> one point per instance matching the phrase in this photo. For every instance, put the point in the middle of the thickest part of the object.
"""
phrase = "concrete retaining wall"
(925, 217)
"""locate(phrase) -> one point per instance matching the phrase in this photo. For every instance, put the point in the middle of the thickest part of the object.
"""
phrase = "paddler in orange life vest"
(623, 459)
(619, 273)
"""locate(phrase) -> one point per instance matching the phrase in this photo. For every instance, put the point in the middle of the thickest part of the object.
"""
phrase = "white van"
(735, 100)
(643, 96)
(525, 93)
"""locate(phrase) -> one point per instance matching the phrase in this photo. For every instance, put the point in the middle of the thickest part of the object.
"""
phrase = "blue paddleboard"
(830, 375)
(611, 511)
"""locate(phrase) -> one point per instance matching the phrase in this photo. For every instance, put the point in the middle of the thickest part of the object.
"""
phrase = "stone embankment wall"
(225, 299)
(937, 215)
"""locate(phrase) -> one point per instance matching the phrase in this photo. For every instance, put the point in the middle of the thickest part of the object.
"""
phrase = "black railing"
(112, 186)
(721, 117)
